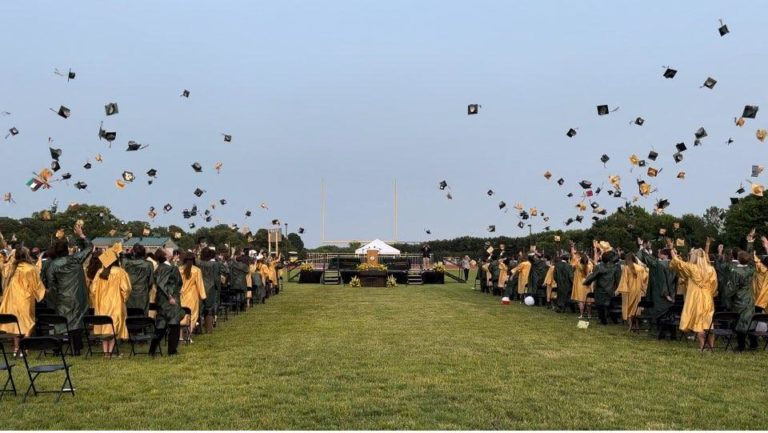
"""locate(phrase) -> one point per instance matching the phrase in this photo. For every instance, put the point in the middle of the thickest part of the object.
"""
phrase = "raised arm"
(86, 248)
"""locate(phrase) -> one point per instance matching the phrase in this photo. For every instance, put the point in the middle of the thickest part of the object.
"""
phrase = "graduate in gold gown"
(19, 297)
(549, 282)
(523, 272)
(632, 286)
(192, 290)
(581, 268)
(701, 286)
(109, 289)
(760, 282)
(503, 276)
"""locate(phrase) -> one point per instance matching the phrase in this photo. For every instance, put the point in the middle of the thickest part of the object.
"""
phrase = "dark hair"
(21, 256)
(629, 261)
(139, 252)
(207, 254)
(61, 248)
(51, 253)
(242, 259)
(584, 261)
(744, 257)
(189, 261)
(93, 265)
(160, 256)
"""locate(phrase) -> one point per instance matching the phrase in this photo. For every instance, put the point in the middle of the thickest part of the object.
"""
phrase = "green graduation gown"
(67, 292)
(738, 294)
(661, 283)
(168, 283)
(140, 272)
(606, 277)
(237, 276)
(564, 280)
(212, 281)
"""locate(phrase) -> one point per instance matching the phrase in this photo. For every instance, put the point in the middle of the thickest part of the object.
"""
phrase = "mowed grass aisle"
(419, 357)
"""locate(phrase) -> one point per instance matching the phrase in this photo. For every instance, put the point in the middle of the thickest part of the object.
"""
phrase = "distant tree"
(750, 212)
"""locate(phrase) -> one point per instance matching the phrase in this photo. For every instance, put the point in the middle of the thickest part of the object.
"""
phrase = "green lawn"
(418, 357)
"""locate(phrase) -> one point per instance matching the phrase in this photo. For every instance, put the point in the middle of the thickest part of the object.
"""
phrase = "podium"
(372, 257)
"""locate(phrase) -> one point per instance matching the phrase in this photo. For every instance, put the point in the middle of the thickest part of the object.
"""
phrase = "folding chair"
(6, 366)
(52, 325)
(761, 333)
(40, 309)
(10, 319)
(186, 335)
(136, 312)
(141, 330)
(33, 371)
(643, 318)
(94, 338)
(723, 325)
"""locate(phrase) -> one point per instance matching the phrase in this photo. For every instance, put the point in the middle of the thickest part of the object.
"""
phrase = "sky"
(361, 94)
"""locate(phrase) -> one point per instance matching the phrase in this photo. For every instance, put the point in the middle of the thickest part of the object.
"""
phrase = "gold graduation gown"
(700, 290)
(523, 271)
(632, 288)
(760, 284)
(6, 267)
(108, 299)
(550, 283)
(579, 292)
(19, 298)
(503, 275)
(192, 291)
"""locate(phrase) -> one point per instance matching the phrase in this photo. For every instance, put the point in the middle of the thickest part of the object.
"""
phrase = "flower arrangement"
(306, 267)
(391, 281)
(355, 282)
(439, 267)
(371, 267)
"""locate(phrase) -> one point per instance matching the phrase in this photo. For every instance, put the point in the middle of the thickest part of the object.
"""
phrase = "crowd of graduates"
(180, 290)
(658, 287)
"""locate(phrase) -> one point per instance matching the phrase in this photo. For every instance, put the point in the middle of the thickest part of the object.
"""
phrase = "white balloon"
(529, 300)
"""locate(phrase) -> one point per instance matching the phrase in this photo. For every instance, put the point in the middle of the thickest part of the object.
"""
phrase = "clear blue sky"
(361, 93)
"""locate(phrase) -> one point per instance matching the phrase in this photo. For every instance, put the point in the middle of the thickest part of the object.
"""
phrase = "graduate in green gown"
(168, 299)
(605, 276)
(140, 272)
(212, 271)
(662, 284)
(564, 280)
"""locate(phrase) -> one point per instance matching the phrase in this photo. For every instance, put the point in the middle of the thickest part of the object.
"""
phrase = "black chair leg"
(31, 387)
(5, 387)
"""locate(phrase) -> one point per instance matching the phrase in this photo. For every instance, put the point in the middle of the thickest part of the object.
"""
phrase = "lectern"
(372, 257)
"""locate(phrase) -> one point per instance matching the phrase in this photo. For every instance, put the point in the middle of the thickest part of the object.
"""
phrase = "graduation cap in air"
(652, 172)
(750, 111)
(709, 83)
(134, 146)
(151, 172)
(111, 108)
(449, 196)
(756, 170)
(66, 176)
(633, 159)
(197, 167)
(652, 155)
(177, 235)
(739, 121)
(734, 200)
(208, 219)
(192, 225)
(761, 134)
(700, 133)
(585, 184)
(473, 109)
(678, 157)
(579, 218)
(247, 213)
(638, 121)
(443, 185)
(193, 212)
(167, 208)
(571, 132)
(120, 184)
(569, 221)
(605, 158)
(602, 110)
(55, 166)
(521, 224)
(491, 228)
(490, 193)
(198, 192)
(681, 175)
(560, 181)
(227, 138)
(547, 175)
(723, 29)
(63, 112)
(70, 74)
(681, 147)
(223, 202)
(524, 215)
(669, 73)
(185, 93)
(55, 153)
(12, 132)
(594, 205)
(87, 166)
(662, 204)
(81, 185)
(110, 136)
(128, 176)
(757, 190)
(641, 163)
(186, 214)
(569, 195)
(207, 212)
(595, 218)
(301, 231)
(581, 206)
(502, 205)
(275, 222)
(152, 214)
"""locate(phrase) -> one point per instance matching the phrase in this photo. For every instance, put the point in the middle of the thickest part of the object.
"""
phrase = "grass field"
(418, 357)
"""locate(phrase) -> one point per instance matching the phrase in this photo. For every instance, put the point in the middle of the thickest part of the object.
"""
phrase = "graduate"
(192, 290)
(605, 276)
(67, 291)
(523, 272)
(109, 290)
(238, 277)
(494, 270)
(140, 271)
(549, 283)
(212, 272)
(760, 282)
(485, 275)
(274, 271)
(701, 285)
(264, 273)
(169, 313)
(632, 286)
(539, 267)
(24, 289)
(563, 275)
(503, 277)
(662, 285)
(581, 268)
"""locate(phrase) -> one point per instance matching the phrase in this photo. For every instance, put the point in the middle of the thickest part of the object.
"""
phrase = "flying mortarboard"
(569, 195)
(185, 93)
(739, 121)
(594, 205)
(198, 192)
(111, 108)
(247, 213)
(700, 133)
(223, 202)
(585, 184)
(301, 231)
(652, 155)
(443, 185)
(12, 132)
(55, 166)
(571, 132)
(681, 175)
(197, 167)
(579, 218)
(560, 181)
(110, 136)
(605, 158)
(757, 190)
(678, 157)
(55, 153)
(569, 221)
(723, 29)
(547, 175)
(473, 109)
(134, 146)
(63, 112)
(128, 176)
(275, 222)
(167, 207)
(734, 200)
(449, 196)
(681, 147)
(581, 206)
(192, 225)
(662, 204)
(87, 166)
(120, 184)
(502, 205)
(186, 214)
(81, 185)
(639, 121)
(227, 138)
(756, 170)
(652, 172)
(152, 214)
(750, 111)
(669, 72)
(633, 159)
(151, 172)
(520, 224)
(491, 228)
(602, 110)
(490, 192)
(66, 176)
(709, 83)
(761, 134)
(641, 163)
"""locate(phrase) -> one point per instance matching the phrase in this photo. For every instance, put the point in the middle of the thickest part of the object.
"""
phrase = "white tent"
(380, 246)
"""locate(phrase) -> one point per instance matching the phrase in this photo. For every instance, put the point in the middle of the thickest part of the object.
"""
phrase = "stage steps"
(414, 277)
(331, 276)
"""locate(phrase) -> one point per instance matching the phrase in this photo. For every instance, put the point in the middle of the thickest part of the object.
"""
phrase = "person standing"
(606, 278)
(192, 291)
(109, 290)
(212, 272)
(701, 285)
(632, 286)
(24, 289)
(140, 272)
(238, 277)
(169, 313)
(68, 293)
(581, 268)
(564, 280)
(662, 286)
(466, 265)
(426, 256)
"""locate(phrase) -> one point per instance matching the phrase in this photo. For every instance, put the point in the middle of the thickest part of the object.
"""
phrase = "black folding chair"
(52, 325)
(141, 330)
(10, 319)
(757, 319)
(93, 338)
(45, 344)
(186, 334)
(136, 312)
(6, 366)
(39, 309)
(723, 325)
(643, 318)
